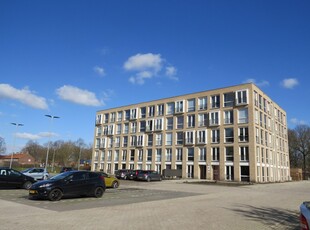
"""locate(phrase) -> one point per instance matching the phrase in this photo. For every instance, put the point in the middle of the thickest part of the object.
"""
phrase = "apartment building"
(235, 133)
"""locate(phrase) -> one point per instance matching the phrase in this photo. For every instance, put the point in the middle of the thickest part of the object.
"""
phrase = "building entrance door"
(203, 171)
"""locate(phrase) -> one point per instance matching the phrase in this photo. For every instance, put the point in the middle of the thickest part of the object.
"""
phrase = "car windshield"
(26, 170)
(61, 176)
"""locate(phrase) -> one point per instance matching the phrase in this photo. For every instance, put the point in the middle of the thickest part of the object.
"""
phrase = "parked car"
(65, 169)
(149, 175)
(132, 174)
(304, 216)
(110, 180)
(10, 178)
(122, 173)
(71, 183)
(37, 173)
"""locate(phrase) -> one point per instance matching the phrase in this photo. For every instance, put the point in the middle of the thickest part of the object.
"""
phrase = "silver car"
(37, 173)
(304, 217)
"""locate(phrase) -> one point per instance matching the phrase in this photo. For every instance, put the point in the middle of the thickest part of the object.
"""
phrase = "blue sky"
(72, 58)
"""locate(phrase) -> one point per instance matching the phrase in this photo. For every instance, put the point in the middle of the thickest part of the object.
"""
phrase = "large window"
(169, 123)
(201, 136)
(229, 99)
(215, 153)
(202, 103)
(168, 154)
(242, 97)
(229, 117)
(244, 134)
(189, 137)
(179, 153)
(229, 135)
(170, 108)
(159, 139)
(191, 121)
(202, 119)
(159, 124)
(142, 126)
(150, 140)
(179, 107)
(180, 122)
(179, 138)
(214, 118)
(160, 110)
(243, 115)
(215, 101)
(244, 153)
(158, 155)
(202, 154)
(169, 139)
(191, 105)
(215, 136)
(151, 111)
(149, 155)
(143, 112)
(190, 154)
(229, 151)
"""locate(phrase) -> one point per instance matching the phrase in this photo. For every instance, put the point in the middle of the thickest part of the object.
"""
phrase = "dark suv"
(122, 173)
(71, 183)
(10, 178)
(149, 175)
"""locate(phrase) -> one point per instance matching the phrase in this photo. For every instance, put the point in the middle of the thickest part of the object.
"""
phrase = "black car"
(149, 175)
(132, 174)
(10, 178)
(66, 169)
(71, 183)
(122, 173)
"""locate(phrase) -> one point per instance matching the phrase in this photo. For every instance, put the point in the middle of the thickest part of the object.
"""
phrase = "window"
(140, 140)
(214, 118)
(160, 110)
(142, 126)
(109, 155)
(127, 115)
(117, 142)
(215, 101)
(229, 99)
(244, 134)
(179, 153)
(158, 155)
(179, 138)
(116, 155)
(170, 108)
(106, 118)
(150, 140)
(201, 136)
(244, 153)
(118, 128)
(190, 154)
(242, 115)
(98, 119)
(119, 116)
(149, 126)
(140, 155)
(191, 121)
(215, 136)
(125, 141)
(133, 127)
(229, 151)
(241, 97)
(191, 105)
(133, 114)
(133, 141)
(179, 107)
(151, 111)
(110, 142)
(159, 124)
(189, 137)
(124, 155)
(229, 135)
(229, 117)
(112, 117)
(149, 155)
(168, 138)
(159, 139)
(180, 122)
(215, 153)
(202, 154)
(132, 155)
(202, 119)
(168, 154)
(143, 112)
(202, 103)
(99, 130)
(126, 128)
(169, 123)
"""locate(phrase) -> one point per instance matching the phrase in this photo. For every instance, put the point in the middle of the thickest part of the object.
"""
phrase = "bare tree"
(299, 144)
(36, 150)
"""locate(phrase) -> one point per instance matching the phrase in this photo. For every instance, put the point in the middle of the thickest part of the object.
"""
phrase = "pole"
(49, 137)
(16, 124)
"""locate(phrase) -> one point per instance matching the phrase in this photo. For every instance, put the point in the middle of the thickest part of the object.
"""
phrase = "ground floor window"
(245, 173)
(229, 173)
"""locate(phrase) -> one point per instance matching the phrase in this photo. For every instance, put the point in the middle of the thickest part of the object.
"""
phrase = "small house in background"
(18, 158)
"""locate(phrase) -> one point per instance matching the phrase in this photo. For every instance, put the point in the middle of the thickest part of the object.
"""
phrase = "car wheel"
(27, 185)
(148, 179)
(98, 192)
(55, 195)
(115, 184)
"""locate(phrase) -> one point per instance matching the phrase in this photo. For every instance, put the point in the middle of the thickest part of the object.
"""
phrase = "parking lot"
(162, 205)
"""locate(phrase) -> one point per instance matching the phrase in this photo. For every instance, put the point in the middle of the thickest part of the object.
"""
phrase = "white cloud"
(147, 66)
(295, 121)
(171, 71)
(78, 96)
(24, 96)
(260, 84)
(289, 83)
(99, 70)
(30, 136)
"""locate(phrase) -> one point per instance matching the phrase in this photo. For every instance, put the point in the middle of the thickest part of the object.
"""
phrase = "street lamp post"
(49, 137)
(17, 125)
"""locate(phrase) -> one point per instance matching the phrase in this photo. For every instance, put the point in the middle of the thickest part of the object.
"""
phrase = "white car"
(37, 173)
(304, 217)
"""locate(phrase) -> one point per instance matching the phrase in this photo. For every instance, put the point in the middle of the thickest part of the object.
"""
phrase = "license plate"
(32, 192)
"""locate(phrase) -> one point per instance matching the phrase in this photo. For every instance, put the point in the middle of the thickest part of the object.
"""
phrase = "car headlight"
(45, 185)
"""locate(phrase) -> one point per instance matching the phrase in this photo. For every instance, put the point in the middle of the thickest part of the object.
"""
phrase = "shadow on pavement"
(275, 218)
